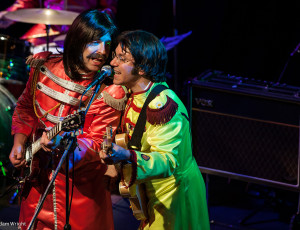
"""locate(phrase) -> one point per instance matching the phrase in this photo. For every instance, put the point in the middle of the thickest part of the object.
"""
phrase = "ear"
(141, 72)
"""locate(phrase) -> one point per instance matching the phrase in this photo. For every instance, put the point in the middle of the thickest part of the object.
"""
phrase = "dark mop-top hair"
(88, 26)
(149, 53)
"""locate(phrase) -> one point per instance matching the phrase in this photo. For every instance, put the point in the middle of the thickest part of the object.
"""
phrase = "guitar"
(31, 172)
(135, 193)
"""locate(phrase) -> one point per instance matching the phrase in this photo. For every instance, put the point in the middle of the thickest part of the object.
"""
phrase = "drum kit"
(13, 70)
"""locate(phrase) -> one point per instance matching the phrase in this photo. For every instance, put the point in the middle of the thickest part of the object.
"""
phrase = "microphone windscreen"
(107, 69)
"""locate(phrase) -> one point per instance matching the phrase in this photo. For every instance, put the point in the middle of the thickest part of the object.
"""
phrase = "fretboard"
(36, 146)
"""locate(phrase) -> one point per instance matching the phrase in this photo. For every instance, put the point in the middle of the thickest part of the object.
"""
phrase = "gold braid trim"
(35, 111)
(37, 63)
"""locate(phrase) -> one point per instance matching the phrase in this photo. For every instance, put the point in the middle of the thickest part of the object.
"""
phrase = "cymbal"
(59, 40)
(42, 16)
(38, 31)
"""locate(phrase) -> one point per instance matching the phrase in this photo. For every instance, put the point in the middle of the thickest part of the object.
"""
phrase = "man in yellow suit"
(161, 163)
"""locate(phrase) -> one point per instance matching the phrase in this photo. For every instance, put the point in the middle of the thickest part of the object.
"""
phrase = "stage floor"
(230, 202)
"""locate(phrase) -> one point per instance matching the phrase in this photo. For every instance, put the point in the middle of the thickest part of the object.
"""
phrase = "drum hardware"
(53, 47)
(43, 16)
(38, 31)
(7, 106)
(59, 40)
(14, 87)
(37, 34)
(12, 58)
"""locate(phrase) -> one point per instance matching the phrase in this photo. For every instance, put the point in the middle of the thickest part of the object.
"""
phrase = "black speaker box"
(246, 129)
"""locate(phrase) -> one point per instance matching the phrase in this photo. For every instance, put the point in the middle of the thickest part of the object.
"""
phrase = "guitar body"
(37, 175)
(135, 193)
(36, 172)
(122, 140)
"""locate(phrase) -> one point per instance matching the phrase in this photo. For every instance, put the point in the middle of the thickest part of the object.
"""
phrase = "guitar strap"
(135, 141)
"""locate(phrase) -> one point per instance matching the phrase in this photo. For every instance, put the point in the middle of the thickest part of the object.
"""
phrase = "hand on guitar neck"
(112, 153)
(49, 145)
(118, 154)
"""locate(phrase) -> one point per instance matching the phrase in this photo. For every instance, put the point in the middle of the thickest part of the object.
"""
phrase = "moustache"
(97, 56)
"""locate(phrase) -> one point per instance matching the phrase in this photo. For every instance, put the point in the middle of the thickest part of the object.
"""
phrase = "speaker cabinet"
(246, 130)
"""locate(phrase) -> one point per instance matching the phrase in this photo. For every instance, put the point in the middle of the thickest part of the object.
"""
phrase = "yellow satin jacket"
(165, 164)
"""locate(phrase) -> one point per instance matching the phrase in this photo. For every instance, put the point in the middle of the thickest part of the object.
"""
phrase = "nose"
(114, 62)
(101, 48)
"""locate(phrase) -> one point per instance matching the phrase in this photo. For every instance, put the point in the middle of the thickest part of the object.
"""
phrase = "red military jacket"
(54, 92)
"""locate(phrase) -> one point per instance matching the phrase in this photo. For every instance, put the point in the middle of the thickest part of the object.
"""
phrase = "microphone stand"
(71, 144)
(96, 90)
(70, 141)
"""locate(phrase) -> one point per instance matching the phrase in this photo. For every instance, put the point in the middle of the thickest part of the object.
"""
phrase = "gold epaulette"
(38, 59)
(162, 114)
(115, 96)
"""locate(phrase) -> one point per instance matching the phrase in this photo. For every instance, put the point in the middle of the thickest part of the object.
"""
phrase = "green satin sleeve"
(158, 157)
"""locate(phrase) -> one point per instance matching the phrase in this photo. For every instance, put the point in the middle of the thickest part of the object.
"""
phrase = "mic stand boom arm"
(96, 90)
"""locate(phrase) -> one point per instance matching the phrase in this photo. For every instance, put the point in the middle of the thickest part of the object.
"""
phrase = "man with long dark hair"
(159, 170)
(54, 90)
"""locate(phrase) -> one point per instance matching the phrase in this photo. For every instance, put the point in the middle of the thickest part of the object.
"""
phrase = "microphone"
(100, 76)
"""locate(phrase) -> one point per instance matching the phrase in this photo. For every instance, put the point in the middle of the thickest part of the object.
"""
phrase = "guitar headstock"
(73, 121)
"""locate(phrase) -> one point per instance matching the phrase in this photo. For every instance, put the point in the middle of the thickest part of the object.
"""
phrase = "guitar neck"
(36, 146)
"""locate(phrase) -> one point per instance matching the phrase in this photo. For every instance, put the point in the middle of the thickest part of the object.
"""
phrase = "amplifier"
(246, 129)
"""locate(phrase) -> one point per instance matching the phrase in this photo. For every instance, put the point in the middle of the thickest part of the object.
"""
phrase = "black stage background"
(252, 39)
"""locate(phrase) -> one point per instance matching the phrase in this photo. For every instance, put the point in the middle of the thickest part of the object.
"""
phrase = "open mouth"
(116, 72)
(97, 61)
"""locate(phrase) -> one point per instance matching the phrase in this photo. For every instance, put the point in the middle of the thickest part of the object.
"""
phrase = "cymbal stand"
(47, 26)
(47, 36)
